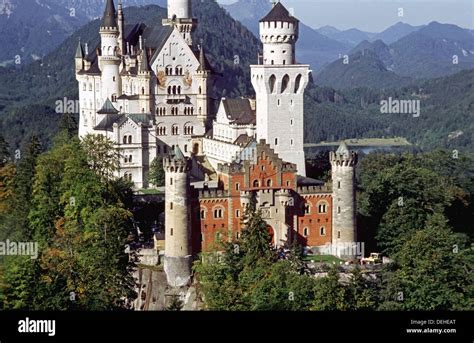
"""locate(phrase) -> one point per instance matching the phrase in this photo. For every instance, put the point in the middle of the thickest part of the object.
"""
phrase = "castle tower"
(279, 85)
(109, 59)
(144, 79)
(180, 15)
(202, 79)
(178, 254)
(343, 164)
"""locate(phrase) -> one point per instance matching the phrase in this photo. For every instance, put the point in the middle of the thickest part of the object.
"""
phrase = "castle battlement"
(213, 193)
(314, 189)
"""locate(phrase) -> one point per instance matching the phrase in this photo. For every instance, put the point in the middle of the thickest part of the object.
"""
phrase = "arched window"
(297, 83)
(322, 207)
(218, 212)
(188, 129)
(130, 139)
(202, 214)
(256, 184)
(306, 232)
(237, 186)
(124, 139)
(175, 130)
(269, 183)
(179, 89)
(174, 89)
(169, 89)
(284, 83)
(307, 209)
(271, 83)
(322, 231)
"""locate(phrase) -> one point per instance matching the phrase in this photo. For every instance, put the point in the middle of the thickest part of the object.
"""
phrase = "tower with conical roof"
(178, 254)
(203, 78)
(343, 164)
(109, 59)
(279, 84)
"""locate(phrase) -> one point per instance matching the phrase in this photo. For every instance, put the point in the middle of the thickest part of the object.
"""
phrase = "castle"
(146, 89)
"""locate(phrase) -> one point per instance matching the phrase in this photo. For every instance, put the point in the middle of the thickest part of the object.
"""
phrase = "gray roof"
(79, 51)
(243, 140)
(307, 181)
(239, 111)
(178, 154)
(144, 66)
(109, 18)
(279, 13)
(108, 122)
(108, 108)
(343, 149)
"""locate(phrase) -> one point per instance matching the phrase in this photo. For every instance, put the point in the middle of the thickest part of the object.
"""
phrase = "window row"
(127, 139)
(322, 208)
(322, 231)
(187, 130)
(169, 70)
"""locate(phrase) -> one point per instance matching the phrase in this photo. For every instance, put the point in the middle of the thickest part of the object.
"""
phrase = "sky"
(377, 15)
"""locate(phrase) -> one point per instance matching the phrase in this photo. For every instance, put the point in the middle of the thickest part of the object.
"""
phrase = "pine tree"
(23, 184)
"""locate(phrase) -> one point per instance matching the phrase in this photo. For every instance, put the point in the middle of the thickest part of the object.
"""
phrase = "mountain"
(446, 113)
(31, 29)
(312, 47)
(95, 8)
(423, 54)
(351, 37)
(429, 52)
(395, 32)
(364, 69)
(28, 94)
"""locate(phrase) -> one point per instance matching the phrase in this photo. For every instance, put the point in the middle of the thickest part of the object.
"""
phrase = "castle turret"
(203, 78)
(178, 254)
(344, 232)
(180, 15)
(79, 58)
(144, 77)
(279, 84)
(109, 59)
(121, 27)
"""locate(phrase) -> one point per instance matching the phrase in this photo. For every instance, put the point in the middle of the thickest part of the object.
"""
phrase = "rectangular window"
(237, 213)
(171, 205)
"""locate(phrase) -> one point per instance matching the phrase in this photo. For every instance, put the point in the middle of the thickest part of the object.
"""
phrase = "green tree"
(329, 293)
(432, 271)
(23, 184)
(157, 173)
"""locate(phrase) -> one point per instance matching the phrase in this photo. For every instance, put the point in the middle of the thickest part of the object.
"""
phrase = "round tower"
(180, 15)
(279, 33)
(178, 254)
(179, 9)
(109, 59)
(344, 230)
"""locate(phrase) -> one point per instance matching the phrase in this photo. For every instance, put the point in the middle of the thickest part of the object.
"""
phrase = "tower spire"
(109, 19)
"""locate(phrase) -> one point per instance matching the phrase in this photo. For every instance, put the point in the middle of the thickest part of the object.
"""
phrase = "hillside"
(31, 29)
(45, 82)
(446, 119)
(423, 54)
